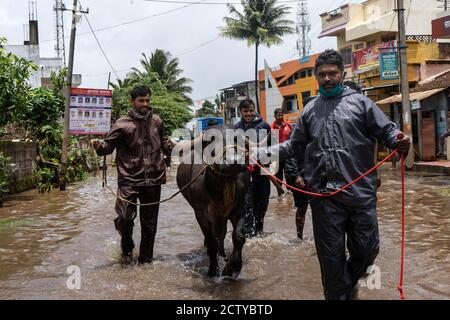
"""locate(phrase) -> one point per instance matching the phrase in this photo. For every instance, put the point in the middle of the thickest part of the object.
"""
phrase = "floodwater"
(42, 235)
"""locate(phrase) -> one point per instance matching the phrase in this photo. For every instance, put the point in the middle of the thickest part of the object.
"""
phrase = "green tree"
(166, 104)
(14, 88)
(168, 70)
(208, 109)
(262, 22)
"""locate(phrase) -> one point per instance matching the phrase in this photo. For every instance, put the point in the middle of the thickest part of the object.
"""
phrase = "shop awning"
(381, 87)
(416, 96)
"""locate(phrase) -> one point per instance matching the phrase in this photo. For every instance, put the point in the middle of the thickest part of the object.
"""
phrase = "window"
(371, 44)
(388, 38)
(310, 72)
(359, 46)
(289, 106)
(347, 55)
(306, 94)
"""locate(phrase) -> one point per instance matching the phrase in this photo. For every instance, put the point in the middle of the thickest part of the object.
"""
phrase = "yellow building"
(364, 31)
(367, 34)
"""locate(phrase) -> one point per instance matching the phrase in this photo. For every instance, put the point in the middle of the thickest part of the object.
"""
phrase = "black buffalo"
(216, 197)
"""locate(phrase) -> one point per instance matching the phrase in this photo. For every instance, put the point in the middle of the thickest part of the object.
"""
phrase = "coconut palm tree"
(168, 71)
(263, 22)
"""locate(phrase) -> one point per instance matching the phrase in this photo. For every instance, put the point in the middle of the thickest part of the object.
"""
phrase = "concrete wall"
(23, 156)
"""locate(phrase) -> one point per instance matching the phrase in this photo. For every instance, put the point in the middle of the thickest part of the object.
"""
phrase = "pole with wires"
(406, 101)
(65, 145)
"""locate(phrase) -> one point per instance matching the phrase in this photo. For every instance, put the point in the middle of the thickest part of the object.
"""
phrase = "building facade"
(286, 86)
(367, 37)
(232, 97)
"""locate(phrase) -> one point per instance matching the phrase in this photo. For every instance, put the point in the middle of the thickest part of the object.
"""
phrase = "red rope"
(400, 284)
(334, 192)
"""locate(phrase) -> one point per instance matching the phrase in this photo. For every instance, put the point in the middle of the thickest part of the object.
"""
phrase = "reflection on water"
(41, 235)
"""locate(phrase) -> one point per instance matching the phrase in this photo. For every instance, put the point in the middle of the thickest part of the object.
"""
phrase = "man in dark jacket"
(140, 148)
(257, 198)
(334, 139)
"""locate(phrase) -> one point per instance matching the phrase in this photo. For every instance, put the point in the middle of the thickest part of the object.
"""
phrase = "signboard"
(90, 111)
(369, 58)
(415, 105)
(441, 28)
(389, 65)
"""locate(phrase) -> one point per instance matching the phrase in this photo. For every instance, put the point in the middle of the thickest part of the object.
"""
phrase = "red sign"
(368, 58)
(91, 92)
(441, 28)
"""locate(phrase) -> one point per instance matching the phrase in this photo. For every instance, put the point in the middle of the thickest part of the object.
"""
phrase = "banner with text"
(90, 111)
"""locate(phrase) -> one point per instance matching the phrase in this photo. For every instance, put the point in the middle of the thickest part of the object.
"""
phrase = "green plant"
(14, 88)
(46, 179)
(5, 172)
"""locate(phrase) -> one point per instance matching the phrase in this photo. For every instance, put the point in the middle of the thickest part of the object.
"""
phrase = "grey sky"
(217, 64)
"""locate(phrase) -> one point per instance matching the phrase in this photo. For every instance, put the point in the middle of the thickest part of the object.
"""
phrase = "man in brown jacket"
(140, 148)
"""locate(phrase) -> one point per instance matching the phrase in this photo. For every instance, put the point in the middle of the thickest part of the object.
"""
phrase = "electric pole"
(76, 15)
(406, 103)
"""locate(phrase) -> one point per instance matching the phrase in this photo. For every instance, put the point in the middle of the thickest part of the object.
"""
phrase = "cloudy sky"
(188, 31)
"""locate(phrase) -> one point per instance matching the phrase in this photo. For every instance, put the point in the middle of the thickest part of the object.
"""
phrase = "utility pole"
(406, 103)
(75, 16)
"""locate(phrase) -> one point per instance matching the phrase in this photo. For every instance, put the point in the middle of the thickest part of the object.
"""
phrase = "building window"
(359, 46)
(289, 105)
(306, 94)
(269, 84)
(347, 55)
(310, 72)
(388, 38)
(371, 43)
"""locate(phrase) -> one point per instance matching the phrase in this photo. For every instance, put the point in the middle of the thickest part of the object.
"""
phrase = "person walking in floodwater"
(334, 140)
(138, 138)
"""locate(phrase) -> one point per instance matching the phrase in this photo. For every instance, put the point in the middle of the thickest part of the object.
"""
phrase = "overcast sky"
(216, 64)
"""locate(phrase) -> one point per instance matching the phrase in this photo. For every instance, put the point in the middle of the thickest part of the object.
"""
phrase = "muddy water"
(41, 235)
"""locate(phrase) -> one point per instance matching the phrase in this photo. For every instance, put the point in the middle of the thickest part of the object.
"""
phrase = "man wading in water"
(140, 148)
(334, 141)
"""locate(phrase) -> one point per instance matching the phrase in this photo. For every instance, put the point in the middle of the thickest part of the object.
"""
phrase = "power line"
(197, 47)
(176, 56)
(207, 3)
(98, 42)
(133, 21)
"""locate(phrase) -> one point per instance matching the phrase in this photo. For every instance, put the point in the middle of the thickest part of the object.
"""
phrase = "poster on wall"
(90, 111)
(369, 58)
(389, 66)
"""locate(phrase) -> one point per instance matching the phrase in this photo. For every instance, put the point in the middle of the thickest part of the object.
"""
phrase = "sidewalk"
(441, 166)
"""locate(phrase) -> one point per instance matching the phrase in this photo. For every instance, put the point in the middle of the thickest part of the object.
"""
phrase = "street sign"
(415, 105)
(389, 66)
(90, 111)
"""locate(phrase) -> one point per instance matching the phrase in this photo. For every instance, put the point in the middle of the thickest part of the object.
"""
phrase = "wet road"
(42, 235)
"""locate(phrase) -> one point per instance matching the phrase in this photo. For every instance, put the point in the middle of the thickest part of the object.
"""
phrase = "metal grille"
(421, 38)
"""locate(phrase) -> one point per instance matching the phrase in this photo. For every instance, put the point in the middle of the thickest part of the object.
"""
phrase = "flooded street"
(42, 235)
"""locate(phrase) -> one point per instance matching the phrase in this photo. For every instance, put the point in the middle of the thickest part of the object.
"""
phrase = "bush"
(5, 172)
(46, 179)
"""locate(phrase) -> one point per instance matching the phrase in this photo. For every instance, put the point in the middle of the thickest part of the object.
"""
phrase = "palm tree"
(263, 22)
(168, 70)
